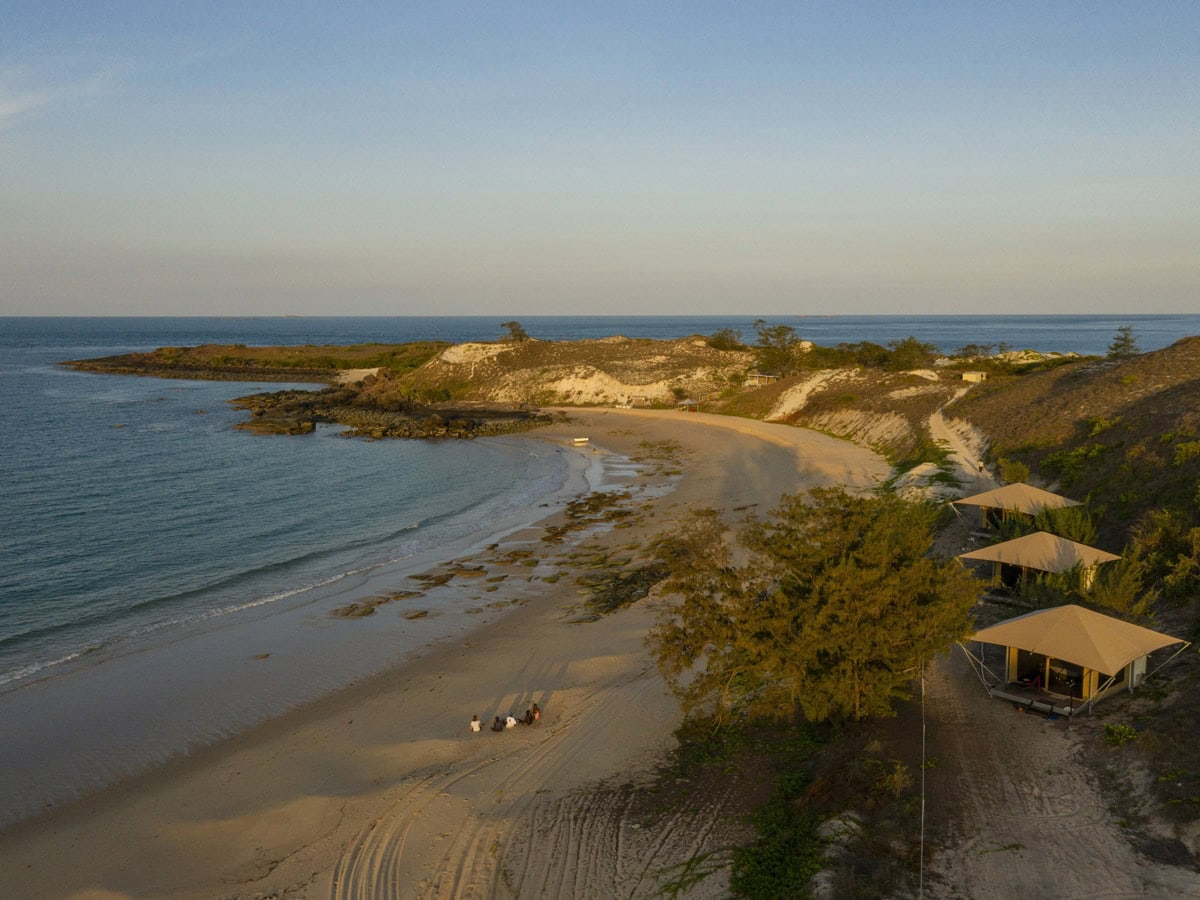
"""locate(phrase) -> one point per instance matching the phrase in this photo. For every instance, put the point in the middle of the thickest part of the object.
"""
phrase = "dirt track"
(1015, 810)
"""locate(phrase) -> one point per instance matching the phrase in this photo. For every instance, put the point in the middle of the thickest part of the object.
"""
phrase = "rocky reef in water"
(367, 415)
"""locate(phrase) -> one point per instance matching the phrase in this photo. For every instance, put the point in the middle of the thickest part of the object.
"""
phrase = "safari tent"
(1055, 659)
(1040, 552)
(1020, 498)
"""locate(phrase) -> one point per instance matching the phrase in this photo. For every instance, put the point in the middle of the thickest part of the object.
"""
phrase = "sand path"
(966, 446)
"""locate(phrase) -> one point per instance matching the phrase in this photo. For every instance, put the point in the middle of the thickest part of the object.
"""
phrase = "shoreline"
(108, 715)
(298, 788)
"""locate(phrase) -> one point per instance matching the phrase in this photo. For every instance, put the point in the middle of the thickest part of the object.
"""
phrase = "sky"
(502, 158)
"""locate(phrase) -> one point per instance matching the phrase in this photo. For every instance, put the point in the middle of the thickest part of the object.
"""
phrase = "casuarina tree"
(831, 607)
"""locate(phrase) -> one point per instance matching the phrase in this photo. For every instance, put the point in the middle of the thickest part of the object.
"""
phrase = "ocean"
(140, 525)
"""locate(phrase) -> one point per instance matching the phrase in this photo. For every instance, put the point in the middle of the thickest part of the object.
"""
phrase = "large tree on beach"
(832, 606)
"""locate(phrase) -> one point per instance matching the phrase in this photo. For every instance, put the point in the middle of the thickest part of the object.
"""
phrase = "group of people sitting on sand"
(510, 721)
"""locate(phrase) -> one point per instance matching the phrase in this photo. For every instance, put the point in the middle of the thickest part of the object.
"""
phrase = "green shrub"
(1070, 464)
(891, 781)
(788, 849)
(1118, 735)
(1186, 451)
(1013, 471)
(726, 339)
(1119, 585)
(1072, 522)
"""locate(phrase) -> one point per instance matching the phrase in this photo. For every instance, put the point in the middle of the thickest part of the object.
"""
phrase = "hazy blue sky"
(527, 158)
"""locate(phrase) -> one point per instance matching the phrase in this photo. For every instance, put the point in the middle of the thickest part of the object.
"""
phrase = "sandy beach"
(382, 790)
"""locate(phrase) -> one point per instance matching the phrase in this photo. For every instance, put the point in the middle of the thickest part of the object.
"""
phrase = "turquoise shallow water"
(133, 506)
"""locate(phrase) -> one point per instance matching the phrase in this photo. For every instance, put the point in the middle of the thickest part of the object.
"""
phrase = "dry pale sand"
(382, 790)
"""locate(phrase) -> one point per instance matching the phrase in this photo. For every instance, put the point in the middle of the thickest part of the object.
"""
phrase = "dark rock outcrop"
(298, 412)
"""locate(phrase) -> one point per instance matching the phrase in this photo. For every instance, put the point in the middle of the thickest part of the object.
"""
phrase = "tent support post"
(979, 667)
(1186, 644)
(1087, 707)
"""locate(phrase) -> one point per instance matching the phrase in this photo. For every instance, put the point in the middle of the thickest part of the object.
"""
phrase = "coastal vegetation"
(831, 613)
(237, 362)
(787, 656)
(514, 331)
(1120, 433)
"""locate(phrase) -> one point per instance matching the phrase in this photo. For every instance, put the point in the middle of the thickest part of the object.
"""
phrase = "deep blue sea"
(151, 555)
(131, 505)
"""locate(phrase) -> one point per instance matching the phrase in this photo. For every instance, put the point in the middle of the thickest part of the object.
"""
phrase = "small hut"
(1057, 658)
(1014, 498)
(760, 378)
(1039, 552)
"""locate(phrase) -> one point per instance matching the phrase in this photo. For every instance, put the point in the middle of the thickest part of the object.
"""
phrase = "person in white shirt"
(475, 725)
(511, 721)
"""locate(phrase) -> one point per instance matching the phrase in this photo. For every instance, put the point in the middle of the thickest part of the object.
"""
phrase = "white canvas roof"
(1021, 497)
(1077, 635)
(1042, 551)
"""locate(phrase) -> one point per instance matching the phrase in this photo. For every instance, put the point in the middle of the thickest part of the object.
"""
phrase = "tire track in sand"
(373, 865)
(465, 859)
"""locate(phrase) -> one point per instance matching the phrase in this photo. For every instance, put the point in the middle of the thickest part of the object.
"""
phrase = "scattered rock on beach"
(406, 595)
(360, 608)
(433, 579)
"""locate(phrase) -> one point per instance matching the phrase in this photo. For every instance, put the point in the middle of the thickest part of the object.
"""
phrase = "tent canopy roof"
(1042, 551)
(1077, 635)
(1024, 498)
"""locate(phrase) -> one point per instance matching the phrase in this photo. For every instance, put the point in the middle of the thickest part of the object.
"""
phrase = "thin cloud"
(24, 92)
(16, 100)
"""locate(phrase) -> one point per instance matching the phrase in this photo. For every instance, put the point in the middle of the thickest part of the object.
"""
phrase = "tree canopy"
(725, 339)
(1124, 344)
(910, 353)
(516, 331)
(775, 347)
(832, 609)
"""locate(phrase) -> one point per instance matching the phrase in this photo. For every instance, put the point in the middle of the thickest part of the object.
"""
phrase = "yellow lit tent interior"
(1054, 659)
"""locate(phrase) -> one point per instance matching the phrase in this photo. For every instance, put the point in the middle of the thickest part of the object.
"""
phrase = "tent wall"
(1137, 672)
(1089, 683)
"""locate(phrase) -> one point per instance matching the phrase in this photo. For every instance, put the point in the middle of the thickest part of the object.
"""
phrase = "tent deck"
(1023, 696)
(1036, 700)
